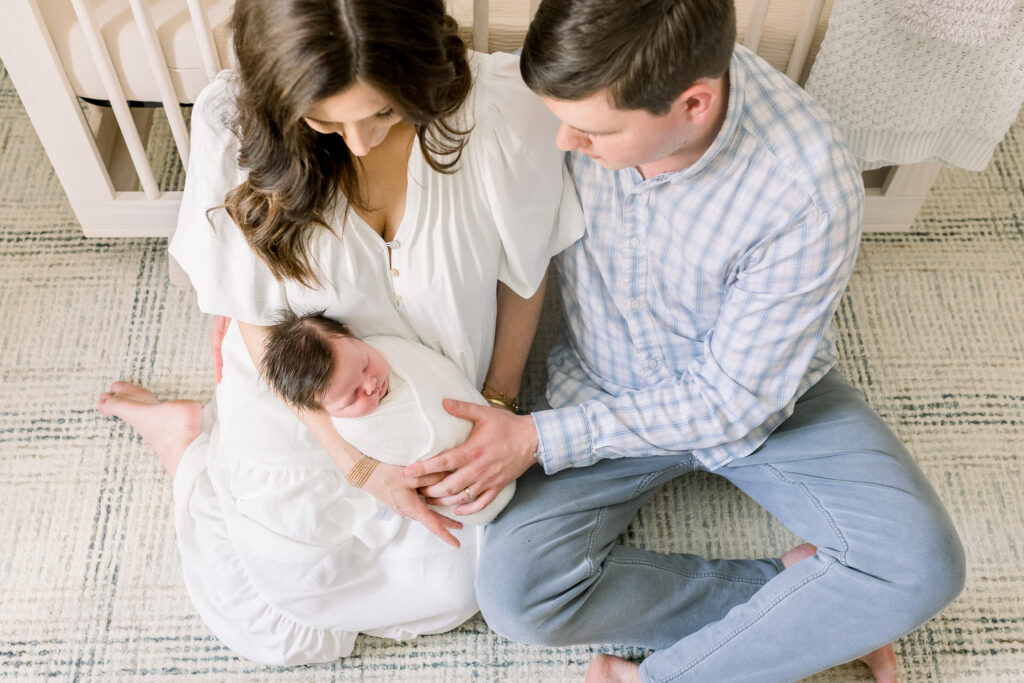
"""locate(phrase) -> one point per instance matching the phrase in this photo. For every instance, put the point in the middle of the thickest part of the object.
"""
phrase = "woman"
(359, 162)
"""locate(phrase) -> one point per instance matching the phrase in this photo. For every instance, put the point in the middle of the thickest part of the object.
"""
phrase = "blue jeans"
(888, 556)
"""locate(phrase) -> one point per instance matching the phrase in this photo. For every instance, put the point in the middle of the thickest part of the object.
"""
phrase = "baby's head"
(314, 363)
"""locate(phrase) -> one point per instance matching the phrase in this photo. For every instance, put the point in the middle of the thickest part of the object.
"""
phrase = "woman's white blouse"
(508, 209)
(263, 515)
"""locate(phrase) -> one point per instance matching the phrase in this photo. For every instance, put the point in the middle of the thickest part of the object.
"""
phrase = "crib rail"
(101, 154)
(204, 38)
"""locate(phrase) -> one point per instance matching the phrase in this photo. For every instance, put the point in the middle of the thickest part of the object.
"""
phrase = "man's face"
(617, 138)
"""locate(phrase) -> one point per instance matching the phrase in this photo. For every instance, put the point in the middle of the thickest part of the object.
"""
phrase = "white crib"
(94, 75)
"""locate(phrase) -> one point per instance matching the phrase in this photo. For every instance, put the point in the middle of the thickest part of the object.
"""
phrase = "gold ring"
(469, 495)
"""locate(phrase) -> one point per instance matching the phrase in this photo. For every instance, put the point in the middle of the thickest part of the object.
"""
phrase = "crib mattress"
(508, 22)
(114, 17)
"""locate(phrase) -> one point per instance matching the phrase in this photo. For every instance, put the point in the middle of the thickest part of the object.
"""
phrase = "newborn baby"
(383, 393)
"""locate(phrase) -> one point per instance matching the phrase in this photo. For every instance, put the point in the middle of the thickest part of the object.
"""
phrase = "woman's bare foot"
(167, 427)
(882, 663)
(609, 669)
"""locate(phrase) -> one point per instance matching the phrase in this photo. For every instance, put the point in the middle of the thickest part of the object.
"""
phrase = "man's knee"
(943, 570)
(923, 573)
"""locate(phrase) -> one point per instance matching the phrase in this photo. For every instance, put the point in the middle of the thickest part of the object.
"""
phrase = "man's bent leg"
(552, 572)
(888, 555)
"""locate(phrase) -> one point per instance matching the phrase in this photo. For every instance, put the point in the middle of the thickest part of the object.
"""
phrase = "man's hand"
(501, 447)
(220, 328)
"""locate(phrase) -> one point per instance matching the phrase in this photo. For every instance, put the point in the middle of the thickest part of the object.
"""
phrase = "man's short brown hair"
(298, 358)
(646, 52)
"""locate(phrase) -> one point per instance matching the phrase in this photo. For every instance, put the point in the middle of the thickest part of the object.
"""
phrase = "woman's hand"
(389, 485)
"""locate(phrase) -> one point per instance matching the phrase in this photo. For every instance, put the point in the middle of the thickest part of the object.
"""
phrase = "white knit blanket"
(970, 22)
(902, 95)
(410, 423)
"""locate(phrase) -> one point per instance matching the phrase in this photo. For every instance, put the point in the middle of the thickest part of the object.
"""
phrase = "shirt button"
(394, 244)
(635, 304)
(652, 364)
(634, 242)
(394, 272)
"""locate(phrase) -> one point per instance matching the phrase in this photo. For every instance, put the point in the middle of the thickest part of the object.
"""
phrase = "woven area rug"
(932, 329)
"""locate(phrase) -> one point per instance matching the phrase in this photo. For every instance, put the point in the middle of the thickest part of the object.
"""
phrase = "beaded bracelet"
(361, 471)
(499, 398)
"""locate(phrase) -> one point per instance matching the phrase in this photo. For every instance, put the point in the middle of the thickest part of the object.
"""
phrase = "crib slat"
(481, 24)
(802, 46)
(162, 76)
(204, 37)
(115, 94)
(755, 27)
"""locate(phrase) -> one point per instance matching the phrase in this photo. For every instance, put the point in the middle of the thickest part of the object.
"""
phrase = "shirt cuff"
(563, 438)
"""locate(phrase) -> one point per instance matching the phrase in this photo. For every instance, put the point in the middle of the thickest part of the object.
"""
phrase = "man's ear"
(696, 103)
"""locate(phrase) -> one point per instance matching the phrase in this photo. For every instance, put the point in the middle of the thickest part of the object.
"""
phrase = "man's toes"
(798, 553)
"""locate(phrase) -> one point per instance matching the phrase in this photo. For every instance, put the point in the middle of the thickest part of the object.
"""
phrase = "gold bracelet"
(361, 471)
(499, 398)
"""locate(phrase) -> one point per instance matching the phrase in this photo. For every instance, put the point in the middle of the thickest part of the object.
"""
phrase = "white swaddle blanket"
(410, 423)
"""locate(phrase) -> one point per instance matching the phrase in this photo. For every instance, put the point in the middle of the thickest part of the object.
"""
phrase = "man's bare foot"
(795, 554)
(167, 427)
(609, 669)
(882, 663)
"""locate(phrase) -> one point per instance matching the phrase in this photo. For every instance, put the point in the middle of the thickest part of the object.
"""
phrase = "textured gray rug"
(932, 328)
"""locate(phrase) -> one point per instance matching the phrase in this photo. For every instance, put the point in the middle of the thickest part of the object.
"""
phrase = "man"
(723, 218)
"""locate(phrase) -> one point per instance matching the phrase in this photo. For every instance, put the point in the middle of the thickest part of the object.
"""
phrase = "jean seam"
(768, 608)
(646, 481)
(817, 504)
(598, 521)
(592, 569)
(689, 575)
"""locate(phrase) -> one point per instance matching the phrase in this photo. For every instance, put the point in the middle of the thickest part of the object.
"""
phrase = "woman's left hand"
(501, 447)
(388, 485)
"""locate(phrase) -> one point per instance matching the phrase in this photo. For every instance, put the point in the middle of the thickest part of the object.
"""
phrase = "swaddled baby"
(383, 393)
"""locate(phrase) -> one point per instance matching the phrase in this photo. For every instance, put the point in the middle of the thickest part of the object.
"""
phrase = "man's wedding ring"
(470, 497)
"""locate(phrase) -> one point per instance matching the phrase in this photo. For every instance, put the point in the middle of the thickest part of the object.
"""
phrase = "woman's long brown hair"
(295, 53)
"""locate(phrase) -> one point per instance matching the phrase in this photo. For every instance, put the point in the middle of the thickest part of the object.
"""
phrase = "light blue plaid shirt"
(700, 302)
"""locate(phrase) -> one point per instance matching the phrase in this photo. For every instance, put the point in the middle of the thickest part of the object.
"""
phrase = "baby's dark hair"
(298, 359)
